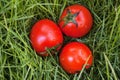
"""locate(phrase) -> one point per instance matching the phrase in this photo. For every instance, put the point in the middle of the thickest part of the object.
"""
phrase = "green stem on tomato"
(70, 18)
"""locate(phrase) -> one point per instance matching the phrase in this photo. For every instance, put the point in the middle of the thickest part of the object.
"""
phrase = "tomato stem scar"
(70, 18)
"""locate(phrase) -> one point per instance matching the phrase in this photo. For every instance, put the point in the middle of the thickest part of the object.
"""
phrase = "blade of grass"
(111, 67)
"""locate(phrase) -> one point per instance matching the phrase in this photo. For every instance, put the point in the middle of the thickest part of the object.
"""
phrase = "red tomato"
(45, 34)
(76, 21)
(74, 56)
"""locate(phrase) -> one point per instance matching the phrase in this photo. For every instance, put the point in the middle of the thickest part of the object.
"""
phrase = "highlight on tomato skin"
(74, 56)
(76, 21)
(45, 34)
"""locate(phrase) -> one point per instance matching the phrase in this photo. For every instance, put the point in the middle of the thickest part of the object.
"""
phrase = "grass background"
(18, 61)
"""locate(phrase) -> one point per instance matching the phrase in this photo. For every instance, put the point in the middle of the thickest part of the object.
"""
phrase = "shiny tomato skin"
(83, 20)
(73, 57)
(45, 34)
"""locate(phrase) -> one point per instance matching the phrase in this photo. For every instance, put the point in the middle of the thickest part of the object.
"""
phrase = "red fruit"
(76, 21)
(74, 56)
(45, 34)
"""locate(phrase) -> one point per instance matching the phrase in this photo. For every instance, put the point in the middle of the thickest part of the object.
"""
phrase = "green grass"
(18, 61)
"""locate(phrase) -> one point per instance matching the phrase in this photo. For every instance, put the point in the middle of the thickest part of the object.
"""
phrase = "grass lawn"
(18, 61)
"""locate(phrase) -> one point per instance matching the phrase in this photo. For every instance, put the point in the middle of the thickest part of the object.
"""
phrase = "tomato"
(45, 34)
(75, 21)
(74, 56)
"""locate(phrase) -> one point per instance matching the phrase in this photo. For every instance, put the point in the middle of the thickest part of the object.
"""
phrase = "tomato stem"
(70, 18)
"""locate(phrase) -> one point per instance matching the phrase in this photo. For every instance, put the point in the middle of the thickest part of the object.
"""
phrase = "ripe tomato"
(76, 21)
(45, 34)
(74, 56)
